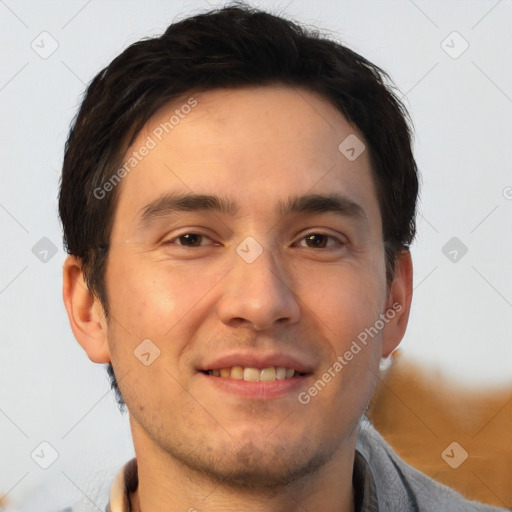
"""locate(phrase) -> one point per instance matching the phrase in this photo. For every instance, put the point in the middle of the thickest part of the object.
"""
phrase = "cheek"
(145, 331)
(344, 302)
(141, 303)
(151, 299)
(147, 296)
(347, 318)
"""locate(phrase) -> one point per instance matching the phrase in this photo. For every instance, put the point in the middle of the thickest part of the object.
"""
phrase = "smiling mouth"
(251, 374)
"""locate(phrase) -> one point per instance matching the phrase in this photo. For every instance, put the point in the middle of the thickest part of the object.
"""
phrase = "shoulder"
(100, 487)
(402, 488)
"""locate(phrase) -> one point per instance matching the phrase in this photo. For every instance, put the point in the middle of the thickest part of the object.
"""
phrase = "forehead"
(256, 145)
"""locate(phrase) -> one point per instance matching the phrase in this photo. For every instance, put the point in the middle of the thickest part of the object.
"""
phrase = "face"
(246, 240)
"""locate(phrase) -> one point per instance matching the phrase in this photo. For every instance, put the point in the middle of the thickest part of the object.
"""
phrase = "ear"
(85, 312)
(398, 304)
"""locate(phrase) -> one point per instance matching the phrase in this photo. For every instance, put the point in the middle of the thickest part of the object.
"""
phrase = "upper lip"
(257, 360)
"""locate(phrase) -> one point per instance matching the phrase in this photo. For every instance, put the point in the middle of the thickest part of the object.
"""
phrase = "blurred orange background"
(422, 412)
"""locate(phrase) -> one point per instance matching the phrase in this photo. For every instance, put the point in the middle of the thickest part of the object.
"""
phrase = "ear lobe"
(399, 302)
(85, 312)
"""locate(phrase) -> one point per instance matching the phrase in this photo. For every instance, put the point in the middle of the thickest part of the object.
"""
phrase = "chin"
(265, 468)
(253, 470)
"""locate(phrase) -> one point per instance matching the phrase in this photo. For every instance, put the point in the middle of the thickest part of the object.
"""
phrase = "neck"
(167, 484)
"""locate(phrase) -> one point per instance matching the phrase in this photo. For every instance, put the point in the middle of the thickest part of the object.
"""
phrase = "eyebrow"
(320, 203)
(169, 204)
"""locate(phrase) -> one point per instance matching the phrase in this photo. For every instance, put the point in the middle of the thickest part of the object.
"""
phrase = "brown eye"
(316, 240)
(189, 240)
(319, 240)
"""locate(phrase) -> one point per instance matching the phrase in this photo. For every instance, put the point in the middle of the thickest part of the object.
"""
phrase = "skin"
(199, 447)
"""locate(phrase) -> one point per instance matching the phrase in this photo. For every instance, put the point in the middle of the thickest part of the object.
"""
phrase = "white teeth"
(237, 372)
(268, 373)
(252, 374)
(280, 373)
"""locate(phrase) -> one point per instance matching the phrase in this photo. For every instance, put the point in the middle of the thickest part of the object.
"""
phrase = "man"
(238, 198)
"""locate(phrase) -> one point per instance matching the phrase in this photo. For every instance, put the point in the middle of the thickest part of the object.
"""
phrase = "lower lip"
(262, 390)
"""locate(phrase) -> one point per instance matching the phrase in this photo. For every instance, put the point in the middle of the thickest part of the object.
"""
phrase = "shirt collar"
(124, 484)
(365, 492)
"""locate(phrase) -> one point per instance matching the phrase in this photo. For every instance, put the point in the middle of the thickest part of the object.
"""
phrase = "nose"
(258, 294)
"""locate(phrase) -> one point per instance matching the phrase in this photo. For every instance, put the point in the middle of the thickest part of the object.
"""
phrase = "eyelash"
(171, 241)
